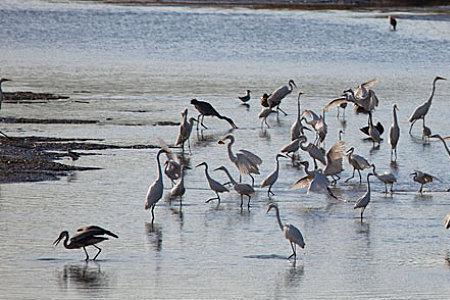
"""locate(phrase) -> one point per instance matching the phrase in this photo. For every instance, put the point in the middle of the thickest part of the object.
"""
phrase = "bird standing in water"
(365, 199)
(272, 178)
(245, 98)
(206, 109)
(85, 236)
(393, 22)
(291, 233)
(155, 191)
(422, 178)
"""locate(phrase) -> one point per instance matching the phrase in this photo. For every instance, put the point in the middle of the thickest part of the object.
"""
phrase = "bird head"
(194, 101)
(293, 83)
(300, 93)
(439, 78)
(227, 137)
(61, 236)
(271, 205)
(305, 163)
(220, 168)
(4, 79)
(395, 107)
(248, 92)
(184, 112)
(192, 120)
(435, 136)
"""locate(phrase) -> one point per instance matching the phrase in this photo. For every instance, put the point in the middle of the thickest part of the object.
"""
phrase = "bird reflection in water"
(178, 213)
(154, 235)
(86, 277)
(264, 134)
(294, 274)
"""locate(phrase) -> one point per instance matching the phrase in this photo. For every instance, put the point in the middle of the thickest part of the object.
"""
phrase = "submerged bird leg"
(242, 200)
(99, 250)
(360, 179)
(421, 188)
(392, 188)
(362, 211)
(293, 251)
(351, 177)
(265, 121)
(248, 203)
(279, 108)
(87, 255)
(385, 188)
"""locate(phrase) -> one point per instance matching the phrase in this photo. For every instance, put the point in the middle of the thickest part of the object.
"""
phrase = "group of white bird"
(364, 100)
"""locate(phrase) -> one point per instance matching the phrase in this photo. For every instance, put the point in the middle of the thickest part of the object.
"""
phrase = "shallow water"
(135, 66)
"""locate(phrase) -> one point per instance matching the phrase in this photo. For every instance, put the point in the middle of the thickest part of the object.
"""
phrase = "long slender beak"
(57, 241)
(187, 168)
(412, 174)
(216, 169)
(221, 142)
(282, 155)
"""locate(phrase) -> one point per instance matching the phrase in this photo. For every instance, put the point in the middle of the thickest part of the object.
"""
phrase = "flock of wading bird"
(364, 100)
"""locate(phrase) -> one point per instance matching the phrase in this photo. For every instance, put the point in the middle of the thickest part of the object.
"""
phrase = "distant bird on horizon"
(245, 98)
(85, 236)
(206, 109)
(393, 22)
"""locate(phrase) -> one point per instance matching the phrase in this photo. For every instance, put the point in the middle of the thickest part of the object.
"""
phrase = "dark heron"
(206, 109)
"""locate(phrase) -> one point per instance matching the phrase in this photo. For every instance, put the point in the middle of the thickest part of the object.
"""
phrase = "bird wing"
(252, 157)
(278, 95)
(310, 114)
(334, 103)
(447, 221)
(245, 165)
(336, 152)
(291, 147)
(166, 148)
(155, 192)
(361, 161)
(373, 99)
(363, 201)
(369, 84)
(319, 183)
(90, 231)
(293, 234)
(302, 182)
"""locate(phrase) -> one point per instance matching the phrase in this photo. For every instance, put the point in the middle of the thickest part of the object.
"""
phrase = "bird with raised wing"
(85, 236)
(242, 189)
(297, 129)
(422, 110)
(291, 233)
(314, 180)
(365, 199)
(272, 178)
(318, 124)
(247, 162)
(315, 152)
(206, 109)
(214, 185)
(334, 165)
(274, 99)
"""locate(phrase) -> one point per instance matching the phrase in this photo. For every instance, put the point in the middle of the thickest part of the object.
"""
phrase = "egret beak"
(414, 173)
(216, 169)
(187, 168)
(56, 242)
(221, 142)
(440, 78)
(281, 155)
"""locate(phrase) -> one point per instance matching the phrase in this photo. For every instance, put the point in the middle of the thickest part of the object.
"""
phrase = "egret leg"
(362, 212)
(265, 121)
(270, 191)
(343, 116)
(315, 164)
(262, 122)
(153, 214)
(338, 113)
(421, 188)
(211, 199)
(279, 108)
(248, 204)
(385, 188)
(87, 255)
(240, 178)
(203, 116)
(189, 146)
(360, 178)
(392, 188)
(99, 250)
(293, 251)
(395, 154)
(242, 200)
(423, 121)
(198, 120)
(353, 175)
(253, 179)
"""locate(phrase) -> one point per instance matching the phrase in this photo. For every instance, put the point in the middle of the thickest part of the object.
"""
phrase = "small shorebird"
(245, 98)
(393, 22)
(85, 236)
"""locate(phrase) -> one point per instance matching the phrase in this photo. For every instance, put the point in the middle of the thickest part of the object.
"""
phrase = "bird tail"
(228, 120)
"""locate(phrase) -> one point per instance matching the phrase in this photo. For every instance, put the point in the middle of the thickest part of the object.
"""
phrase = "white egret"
(291, 233)
(334, 165)
(178, 190)
(386, 178)
(245, 98)
(443, 141)
(241, 188)
(394, 132)
(315, 180)
(279, 94)
(247, 162)
(155, 191)
(297, 129)
(422, 178)
(265, 112)
(421, 111)
(357, 162)
(272, 178)
(206, 109)
(185, 130)
(214, 185)
(85, 236)
(365, 199)
(314, 151)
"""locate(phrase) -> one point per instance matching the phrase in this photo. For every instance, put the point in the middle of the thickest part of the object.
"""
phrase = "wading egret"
(394, 132)
(214, 185)
(365, 199)
(291, 233)
(386, 178)
(274, 99)
(85, 236)
(241, 188)
(422, 178)
(272, 178)
(206, 109)
(357, 162)
(155, 191)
